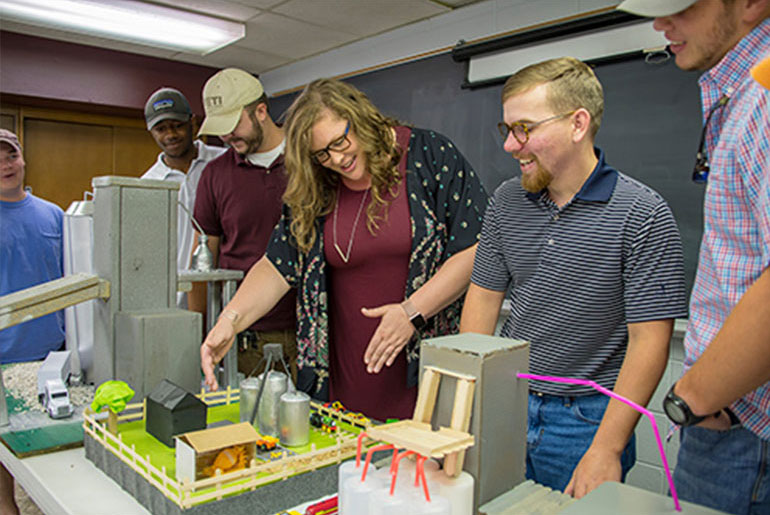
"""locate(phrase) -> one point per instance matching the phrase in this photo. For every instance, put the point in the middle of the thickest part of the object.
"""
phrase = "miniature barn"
(198, 452)
(171, 410)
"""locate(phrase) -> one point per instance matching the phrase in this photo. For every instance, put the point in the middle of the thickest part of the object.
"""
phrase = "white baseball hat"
(655, 8)
(224, 97)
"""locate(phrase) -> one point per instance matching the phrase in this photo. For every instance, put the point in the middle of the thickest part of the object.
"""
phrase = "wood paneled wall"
(64, 149)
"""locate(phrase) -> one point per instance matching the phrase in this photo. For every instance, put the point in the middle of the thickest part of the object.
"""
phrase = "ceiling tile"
(290, 38)
(262, 4)
(236, 57)
(222, 8)
(360, 17)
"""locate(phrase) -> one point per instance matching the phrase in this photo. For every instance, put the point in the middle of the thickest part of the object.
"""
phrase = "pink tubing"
(421, 475)
(361, 437)
(369, 456)
(622, 399)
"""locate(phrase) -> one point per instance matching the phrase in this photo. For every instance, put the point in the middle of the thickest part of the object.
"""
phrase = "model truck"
(56, 399)
(56, 366)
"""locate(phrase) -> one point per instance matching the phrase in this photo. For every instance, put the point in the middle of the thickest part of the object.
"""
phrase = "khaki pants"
(250, 354)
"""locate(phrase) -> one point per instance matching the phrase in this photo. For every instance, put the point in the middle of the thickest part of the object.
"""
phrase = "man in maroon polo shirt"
(238, 201)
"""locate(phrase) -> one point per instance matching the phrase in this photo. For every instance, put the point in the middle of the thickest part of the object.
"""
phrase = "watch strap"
(690, 418)
(414, 316)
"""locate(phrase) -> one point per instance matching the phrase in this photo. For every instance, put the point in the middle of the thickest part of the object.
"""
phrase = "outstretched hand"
(215, 346)
(391, 335)
(595, 467)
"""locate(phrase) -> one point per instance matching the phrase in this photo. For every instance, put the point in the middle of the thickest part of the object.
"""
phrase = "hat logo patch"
(165, 103)
(214, 101)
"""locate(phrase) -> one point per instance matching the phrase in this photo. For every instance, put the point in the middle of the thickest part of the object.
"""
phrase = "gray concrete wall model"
(499, 414)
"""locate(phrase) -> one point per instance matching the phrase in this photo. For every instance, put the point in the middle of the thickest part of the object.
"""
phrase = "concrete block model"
(135, 250)
(499, 417)
(152, 346)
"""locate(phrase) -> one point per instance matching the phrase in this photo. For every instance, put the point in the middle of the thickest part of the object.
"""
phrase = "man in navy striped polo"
(593, 262)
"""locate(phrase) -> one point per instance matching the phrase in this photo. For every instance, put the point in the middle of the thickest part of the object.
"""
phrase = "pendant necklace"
(346, 256)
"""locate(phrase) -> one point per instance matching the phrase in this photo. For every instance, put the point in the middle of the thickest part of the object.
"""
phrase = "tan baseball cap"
(9, 137)
(224, 96)
(655, 8)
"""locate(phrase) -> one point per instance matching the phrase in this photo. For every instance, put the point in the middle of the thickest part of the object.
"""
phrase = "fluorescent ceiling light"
(128, 20)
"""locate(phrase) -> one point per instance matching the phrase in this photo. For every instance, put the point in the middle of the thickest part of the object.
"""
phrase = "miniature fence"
(137, 410)
(188, 494)
(349, 418)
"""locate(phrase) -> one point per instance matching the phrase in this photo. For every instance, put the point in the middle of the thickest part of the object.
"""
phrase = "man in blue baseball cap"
(182, 159)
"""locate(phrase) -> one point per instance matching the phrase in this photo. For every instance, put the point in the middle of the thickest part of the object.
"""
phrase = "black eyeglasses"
(700, 174)
(338, 145)
(521, 130)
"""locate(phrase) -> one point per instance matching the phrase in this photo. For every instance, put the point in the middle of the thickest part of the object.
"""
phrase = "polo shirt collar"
(599, 185)
(163, 171)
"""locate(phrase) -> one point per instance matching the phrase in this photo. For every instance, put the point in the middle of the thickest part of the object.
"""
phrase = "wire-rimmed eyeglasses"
(338, 145)
(700, 174)
(521, 130)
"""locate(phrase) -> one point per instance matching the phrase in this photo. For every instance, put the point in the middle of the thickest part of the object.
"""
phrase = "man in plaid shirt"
(723, 400)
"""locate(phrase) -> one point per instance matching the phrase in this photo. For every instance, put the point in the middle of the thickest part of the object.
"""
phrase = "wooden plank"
(420, 438)
(461, 420)
(49, 297)
(42, 440)
(450, 373)
(426, 395)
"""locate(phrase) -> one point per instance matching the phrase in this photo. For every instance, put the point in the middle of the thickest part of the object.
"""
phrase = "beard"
(252, 142)
(536, 181)
(710, 51)
(255, 142)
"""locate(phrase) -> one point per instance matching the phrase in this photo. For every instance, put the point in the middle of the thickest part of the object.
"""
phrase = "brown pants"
(250, 354)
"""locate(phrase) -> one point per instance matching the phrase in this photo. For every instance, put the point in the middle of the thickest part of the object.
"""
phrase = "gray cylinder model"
(294, 417)
(249, 388)
(267, 414)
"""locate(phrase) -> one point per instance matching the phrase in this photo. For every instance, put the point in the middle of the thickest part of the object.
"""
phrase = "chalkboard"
(650, 129)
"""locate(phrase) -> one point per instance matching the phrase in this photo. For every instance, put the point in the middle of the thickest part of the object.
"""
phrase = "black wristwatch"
(415, 317)
(679, 412)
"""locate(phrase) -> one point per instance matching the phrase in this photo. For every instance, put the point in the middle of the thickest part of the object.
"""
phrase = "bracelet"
(231, 315)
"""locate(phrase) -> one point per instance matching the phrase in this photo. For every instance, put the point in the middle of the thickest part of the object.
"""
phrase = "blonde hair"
(312, 189)
(571, 85)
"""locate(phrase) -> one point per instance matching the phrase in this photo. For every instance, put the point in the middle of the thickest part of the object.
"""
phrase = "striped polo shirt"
(576, 275)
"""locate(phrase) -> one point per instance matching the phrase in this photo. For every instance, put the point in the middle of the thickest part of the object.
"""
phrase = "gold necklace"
(345, 257)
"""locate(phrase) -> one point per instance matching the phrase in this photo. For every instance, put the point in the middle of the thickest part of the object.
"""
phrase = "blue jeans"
(724, 470)
(559, 432)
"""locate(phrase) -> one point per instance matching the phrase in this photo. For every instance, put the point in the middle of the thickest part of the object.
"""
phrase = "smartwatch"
(679, 412)
(414, 316)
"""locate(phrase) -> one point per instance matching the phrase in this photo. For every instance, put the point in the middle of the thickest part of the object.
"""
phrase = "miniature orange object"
(761, 72)
(229, 459)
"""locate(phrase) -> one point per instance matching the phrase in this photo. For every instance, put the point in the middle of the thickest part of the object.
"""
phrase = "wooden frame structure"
(417, 434)
(36, 301)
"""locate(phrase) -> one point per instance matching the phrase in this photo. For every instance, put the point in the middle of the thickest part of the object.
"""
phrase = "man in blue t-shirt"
(30, 254)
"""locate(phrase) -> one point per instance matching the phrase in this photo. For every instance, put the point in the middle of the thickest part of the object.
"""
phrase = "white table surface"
(65, 482)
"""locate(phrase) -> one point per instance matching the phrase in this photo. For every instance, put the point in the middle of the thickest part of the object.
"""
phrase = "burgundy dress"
(375, 274)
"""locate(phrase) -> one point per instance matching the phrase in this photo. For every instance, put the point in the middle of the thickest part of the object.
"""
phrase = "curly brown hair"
(312, 189)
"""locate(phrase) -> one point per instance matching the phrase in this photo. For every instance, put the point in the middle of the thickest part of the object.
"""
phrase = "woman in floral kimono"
(378, 235)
